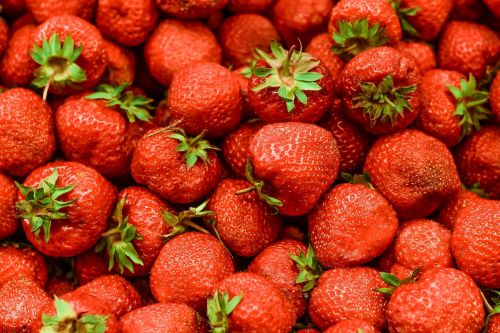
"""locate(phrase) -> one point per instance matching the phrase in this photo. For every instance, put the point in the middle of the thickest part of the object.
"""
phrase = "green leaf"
(308, 77)
(390, 279)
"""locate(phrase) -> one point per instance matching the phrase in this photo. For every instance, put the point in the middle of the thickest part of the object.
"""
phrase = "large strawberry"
(475, 242)
(423, 54)
(290, 86)
(348, 212)
(68, 203)
(247, 302)
(495, 97)
(175, 44)
(450, 208)
(320, 47)
(352, 326)
(188, 268)
(413, 171)
(179, 168)
(121, 65)
(18, 261)
(26, 132)
(8, 197)
(191, 9)
(294, 164)
(43, 10)
(380, 90)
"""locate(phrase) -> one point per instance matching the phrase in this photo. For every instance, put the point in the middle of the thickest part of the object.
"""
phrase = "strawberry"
(249, 6)
(164, 317)
(492, 322)
(121, 66)
(475, 242)
(352, 326)
(442, 300)
(243, 75)
(450, 208)
(452, 107)
(422, 53)
(57, 286)
(191, 9)
(289, 86)
(90, 265)
(293, 233)
(413, 171)
(69, 203)
(468, 10)
(205, 98)
(8, 196)
(240, 35)
(348, 293)
(43, 11)
(313, 19)
(4, 35)
(493, 6)
(468, 47)
(26, 132)
(188, 268)
(357, 25)
(78, 62)
(309, 330)
(17, 261)
(320, 47)
(380, 90)
(21, 301)
(26, 19)
(13, 8)
(478, 160)
(180, 169)
(175, 45)
(126, 22)
(495, 97)
(247, 302)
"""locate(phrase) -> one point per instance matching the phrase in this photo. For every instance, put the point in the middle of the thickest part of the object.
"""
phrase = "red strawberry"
(175, 45)
(90, 265)
(442, 300)
(71, 207)
(468, 48)
(191, 9)
(121, 66)
(141, 284)
(126, 22)
(240, 35)
(247, 302)
(25, 19)
(313, 19)
(320, 47)
(478, 160)
(8, 197)
(13, 8)
(249, 6)
(164, 317)
(26, 132)
(18, 262)
(57, 286)
(180, 169)
(413, 171)
(468, 9)
(74, 56)
(494, 7)
(495, 97)
(451, 107)
(347, 212)
(290, 86)
(450, 208)
(42, 11)
(188, 268)
(205, 98)
(475, 242)
(422, 53)
(380, 90)
(293, 233)
(243, 75)
(4, 35)
(348, 293)
(357, 25)
(352, 326)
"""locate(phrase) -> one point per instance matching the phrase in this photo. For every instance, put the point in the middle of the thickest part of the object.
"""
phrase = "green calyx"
(193, 148)
(476, 188)
(493, 309)
(383, 102)
(403, 14)
(57, 63)
(118, 241)
(134, 106)
(363, 179)
(309, 269)
(394, 282)
(290, 73)
(67, 320)
(470, 105)
(41, 205)
(352, 38)
(219, 307)
(184, 220)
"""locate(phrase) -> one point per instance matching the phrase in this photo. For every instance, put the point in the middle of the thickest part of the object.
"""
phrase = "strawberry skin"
(450, 208)
(57, 286)
(90, 265)
(249, 6)
(22, 263)
(495, 97)
(321, 48)
(352, 326)
(494, 6)
(4, 35)
(430, 17)
(121, 66)
(42, 11)
(8, 197)
(422, 53)
(191, 9)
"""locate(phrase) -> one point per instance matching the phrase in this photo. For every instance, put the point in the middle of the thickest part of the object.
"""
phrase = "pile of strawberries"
(250, 166)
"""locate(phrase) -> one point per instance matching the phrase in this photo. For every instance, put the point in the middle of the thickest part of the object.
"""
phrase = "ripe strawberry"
(380, 90)
(282, 78)
(347, 212)
(191, 9)
(468, 10)
(26, 132)
(293, 233)
(247, 302)
(358, 25)
(313, 19)
(451, 106)
(352, 326)
(449, 209)
(413, 171)
(67, 201)
(240, 35)
(493, 6)
(205, 98)
(126, 22)
(164, 317)
(495, 98)
(18, 262)
(180, 169)
(42, 11)
(121, 65)
(175, 45)
(4, 35)
(249, 6)
(348, 293)
(478, 160)
(26, 19)
(320, 47)
(308, 330)
(188, 268)
(468, 47)
(8, 196)
(243, 75)
(422, 53)
(78, 62)
(475, 242)
(57, 286)
(442, 300)
(13, 8)
(21, 302)
(90, 265)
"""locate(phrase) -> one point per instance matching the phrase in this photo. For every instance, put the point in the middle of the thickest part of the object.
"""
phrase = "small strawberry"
(121, 66)
(249, 6)
(190, 9)
(495, 97)
(450, 208)
(8, 197)
(90, 265)
(42, 11)
(352, 326)
(320, 47)
(57, 286)
(18, 261)
(422, 53)
(380, 90)
(292, 232)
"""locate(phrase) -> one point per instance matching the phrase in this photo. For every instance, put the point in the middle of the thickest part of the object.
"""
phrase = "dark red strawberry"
(57, 286)
(69, 203)
(422, 53)
(243, 75)
(90, 265)
(494, 7)
(121, 65)
(13, 7)
(18, 261)
(352, 326)
(8, 197)
(495, 98)
(468, 9)
(413, 171)
(380, 90)
(26, 132)
(249, 6)
(25, 19)
(191, 9)
(4, 35)
(42, 11)
(451, 207)
(292, 232)
(320, 47)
